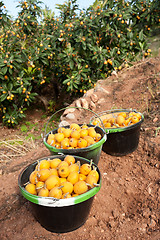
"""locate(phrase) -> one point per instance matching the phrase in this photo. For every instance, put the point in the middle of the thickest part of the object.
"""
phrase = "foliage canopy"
(72, 50)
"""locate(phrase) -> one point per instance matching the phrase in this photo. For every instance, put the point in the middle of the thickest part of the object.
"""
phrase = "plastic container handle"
(76, 108)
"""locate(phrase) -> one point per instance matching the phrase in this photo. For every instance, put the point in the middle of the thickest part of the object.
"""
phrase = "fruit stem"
(129, 122)
(26, 183)
(38, 165)
(39, 187)
(96, 184)
(65, 195)
(89, 185)
(79, 165)
(91, 162)
(95, 168)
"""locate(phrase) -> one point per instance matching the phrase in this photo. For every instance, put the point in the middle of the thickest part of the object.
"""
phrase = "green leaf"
(2, 64)
(66, 81)
(44, 61)
(141, 45)
(141, 35)
(10, 71)
(10, 86)
(4, 70)
(71, 64)
(83, 46)
(3, 97)
(18, 60)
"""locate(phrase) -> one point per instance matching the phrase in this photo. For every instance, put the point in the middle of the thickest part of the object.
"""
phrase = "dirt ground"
(127, 205)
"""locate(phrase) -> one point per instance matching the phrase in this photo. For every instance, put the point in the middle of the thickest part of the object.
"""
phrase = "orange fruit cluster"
(62, 178)
(75, 136)
(118, 119)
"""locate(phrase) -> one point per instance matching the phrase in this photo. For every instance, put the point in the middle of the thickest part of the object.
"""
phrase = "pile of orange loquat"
(62, 178)
(74, 136)
(118, 119)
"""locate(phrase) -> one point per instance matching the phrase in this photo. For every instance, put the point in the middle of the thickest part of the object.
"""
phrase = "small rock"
(121, 182)
(115, 213)
(84, 103)
(153, 216)
(128, 179)
(78, 104)
(147, 129)
(68, 110)
(70, 116)
(155, 119)
(92, 221)
(128, 191)
(63, 123)
(146, 213)
(66, 104)
(149, 190)
(112, 223)
(157, 165)
(94, 98)
(101, 100)
(104, 173)
(152, 223)
(89, 93)
(143, 227)
(114, 74)
(101, 89)
(159, 193)
(92, 106)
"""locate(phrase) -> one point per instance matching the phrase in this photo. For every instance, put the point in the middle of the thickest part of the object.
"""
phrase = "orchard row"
(71, 51)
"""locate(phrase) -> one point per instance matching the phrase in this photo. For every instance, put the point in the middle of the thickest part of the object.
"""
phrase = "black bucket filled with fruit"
(61, 189)
(84, 140)
(122, 127)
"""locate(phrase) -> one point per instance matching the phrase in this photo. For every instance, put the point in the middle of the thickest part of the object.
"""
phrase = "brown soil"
(127, 205)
